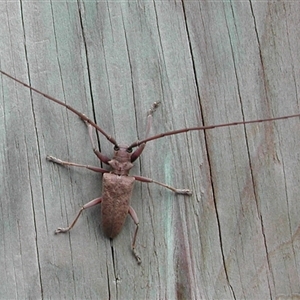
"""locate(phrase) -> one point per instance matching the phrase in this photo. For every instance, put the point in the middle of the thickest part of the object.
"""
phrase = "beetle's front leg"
(68, 163)
(141, 148)
(101, 156)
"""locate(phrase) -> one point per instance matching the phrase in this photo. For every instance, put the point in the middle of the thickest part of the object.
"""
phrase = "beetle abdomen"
(117, 192)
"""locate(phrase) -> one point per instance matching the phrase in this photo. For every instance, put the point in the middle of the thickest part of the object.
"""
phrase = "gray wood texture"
(237, 236)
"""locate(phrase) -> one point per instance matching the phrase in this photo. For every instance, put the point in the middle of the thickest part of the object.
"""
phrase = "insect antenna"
(81, 115)
(158, 136)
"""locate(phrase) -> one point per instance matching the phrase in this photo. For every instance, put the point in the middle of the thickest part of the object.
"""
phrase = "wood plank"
(208, 63)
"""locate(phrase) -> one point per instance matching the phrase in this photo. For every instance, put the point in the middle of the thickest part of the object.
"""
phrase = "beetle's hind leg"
(87, 205)
(135, 219)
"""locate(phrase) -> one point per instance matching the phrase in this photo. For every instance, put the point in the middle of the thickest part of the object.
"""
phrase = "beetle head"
(121, 163)
(122, 153)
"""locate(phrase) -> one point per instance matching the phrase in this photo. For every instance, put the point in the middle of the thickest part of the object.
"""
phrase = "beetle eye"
(116, 148)
(129, 150)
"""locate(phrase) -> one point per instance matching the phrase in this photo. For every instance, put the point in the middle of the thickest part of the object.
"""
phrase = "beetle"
(117, 183)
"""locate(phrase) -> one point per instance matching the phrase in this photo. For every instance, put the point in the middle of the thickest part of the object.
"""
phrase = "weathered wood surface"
(237, 237)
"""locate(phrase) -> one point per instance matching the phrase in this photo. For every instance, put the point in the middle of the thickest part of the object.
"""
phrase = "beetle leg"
(150, 117)
(150, 113)
(87, 205)
(67, 163)
(101, 156)
(177, 191)
(135, 219)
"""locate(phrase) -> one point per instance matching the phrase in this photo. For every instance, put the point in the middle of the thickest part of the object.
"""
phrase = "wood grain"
(237, 236)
